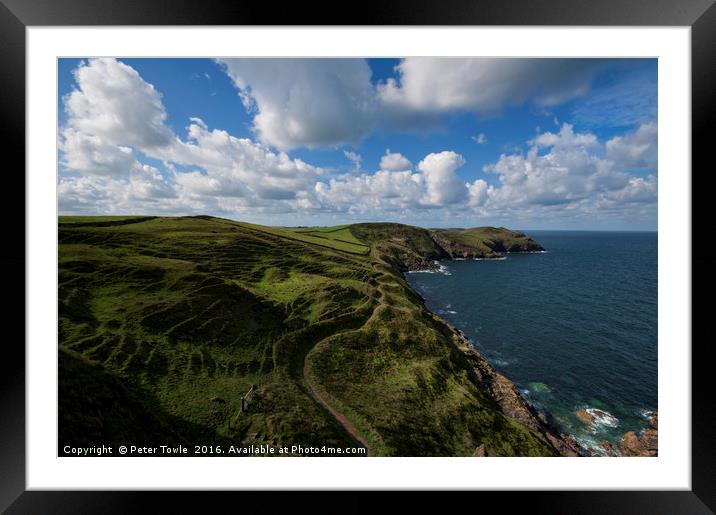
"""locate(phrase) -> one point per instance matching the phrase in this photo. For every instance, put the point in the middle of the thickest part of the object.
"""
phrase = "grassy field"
(338, 238)
(165, 323)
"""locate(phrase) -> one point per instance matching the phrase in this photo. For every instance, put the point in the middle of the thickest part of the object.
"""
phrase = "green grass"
(339, 233)
(161, 320)
(490, 240)
(340, 240)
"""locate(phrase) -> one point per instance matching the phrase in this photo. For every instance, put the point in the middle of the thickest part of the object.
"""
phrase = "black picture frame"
(16, 15)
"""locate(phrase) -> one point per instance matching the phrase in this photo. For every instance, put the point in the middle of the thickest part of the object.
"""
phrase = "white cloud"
(435, 185)
(566, 138)
(477, 192)
(237, 167)
(80, 194)
(394, 162)
(484, 85)
(306, 102)
(566, 173)
(89, 154)
(480, 139)
(329, 102)
(147, 183)
(113, 103)
(442, 185)
(572, 173)
(197, 185)
(143, 190)
(382, 191)
(113, 111)
(635, 150)
(638, 189)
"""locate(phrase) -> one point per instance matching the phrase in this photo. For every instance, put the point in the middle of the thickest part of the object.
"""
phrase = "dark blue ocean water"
(574, 328)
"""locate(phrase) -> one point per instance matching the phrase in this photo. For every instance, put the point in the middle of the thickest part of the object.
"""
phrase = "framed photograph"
(435, 248)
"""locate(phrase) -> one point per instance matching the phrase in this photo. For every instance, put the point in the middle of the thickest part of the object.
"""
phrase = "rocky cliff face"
(404, 258)
(483, 242)
(510, 401)
(453, 249)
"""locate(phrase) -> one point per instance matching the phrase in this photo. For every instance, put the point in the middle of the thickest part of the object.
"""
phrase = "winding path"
(339, 417)
(342, 420)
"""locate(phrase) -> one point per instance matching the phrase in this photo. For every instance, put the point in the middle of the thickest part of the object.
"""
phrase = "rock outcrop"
(644, 443)
(585, 416)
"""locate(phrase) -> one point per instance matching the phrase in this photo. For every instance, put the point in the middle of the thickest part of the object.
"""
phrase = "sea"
(574, 327)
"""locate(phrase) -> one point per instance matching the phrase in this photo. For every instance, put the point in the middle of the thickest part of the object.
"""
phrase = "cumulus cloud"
(143, 190)
(477, 192)
(567, 172)
(566, 138)
(394, 161)
(91, 155)
(484, 85)
(329, 102)
(237, 167)
(113, 111)
(306, 102)
(635, 150)
(572, 169)
(638, 189)
(442, 185)
(434, 185)
(383, 191)
(114, 103)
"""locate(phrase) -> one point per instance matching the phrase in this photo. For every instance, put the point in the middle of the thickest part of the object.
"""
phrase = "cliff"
(409, 248)
(507, 396)
(415, 248)
(483, 242)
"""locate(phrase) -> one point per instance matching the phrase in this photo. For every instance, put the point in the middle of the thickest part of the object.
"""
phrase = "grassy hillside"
(336, 233)
(484, 241)
(96, 405)
(338, 238)
(165, 323)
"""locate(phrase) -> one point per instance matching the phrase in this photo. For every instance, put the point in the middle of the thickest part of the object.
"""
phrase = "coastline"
(494, 244)
(512, 403)
(505, 393)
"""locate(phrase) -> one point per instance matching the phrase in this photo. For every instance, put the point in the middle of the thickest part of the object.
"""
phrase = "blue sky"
(525, 143)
